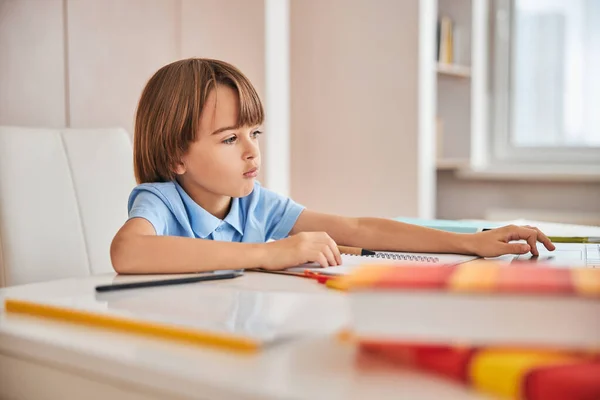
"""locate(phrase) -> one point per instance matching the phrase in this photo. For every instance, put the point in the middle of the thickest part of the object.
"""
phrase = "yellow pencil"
(574, 239)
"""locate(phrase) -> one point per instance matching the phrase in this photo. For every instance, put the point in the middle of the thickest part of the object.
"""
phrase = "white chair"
(63, 196)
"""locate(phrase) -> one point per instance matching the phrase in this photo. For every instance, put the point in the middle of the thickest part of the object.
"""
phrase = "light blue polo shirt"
(256, 218)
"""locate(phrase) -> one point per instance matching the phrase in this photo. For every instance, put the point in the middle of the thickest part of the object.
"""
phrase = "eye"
(255, 134)
(230, 140)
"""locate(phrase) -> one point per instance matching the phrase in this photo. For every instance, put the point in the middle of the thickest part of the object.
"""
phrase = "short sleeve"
(282, 214)
(147, 205)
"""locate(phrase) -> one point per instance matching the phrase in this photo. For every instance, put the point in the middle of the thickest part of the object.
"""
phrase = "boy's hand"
(496, 242)
(301, 248)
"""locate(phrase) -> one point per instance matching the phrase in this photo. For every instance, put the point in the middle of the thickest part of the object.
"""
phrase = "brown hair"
(168, 114)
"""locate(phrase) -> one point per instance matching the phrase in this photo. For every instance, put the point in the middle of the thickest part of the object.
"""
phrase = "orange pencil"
(320, 278)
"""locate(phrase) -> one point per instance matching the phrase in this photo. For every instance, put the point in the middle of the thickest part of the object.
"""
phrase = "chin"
(245, 189)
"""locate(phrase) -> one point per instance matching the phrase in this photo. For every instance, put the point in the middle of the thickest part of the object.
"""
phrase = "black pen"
(165, 282)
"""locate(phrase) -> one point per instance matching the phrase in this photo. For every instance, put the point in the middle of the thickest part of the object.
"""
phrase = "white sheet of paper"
(350, 263)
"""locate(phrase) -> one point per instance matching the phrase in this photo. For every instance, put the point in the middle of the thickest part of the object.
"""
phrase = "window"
(546, 81)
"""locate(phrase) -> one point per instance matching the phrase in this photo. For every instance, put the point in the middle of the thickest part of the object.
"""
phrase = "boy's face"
(223, 160)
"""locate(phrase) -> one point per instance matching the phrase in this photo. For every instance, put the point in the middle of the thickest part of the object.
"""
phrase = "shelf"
(545, 173)
(453, 70)
(450, 164)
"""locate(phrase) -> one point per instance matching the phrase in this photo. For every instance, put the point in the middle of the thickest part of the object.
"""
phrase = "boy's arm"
(385, 234)
(379, 233)
(136, 249)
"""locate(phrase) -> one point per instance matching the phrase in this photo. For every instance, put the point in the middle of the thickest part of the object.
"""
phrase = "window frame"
(503, 152)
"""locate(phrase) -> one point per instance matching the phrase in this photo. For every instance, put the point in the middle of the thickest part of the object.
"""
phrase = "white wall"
(355, 115)
(32, 63)
(354, 90)
(231, 30)
(114, 47)
(354, 80)
(84, 63)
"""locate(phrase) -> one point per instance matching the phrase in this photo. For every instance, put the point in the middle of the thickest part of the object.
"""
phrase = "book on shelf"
(445, 42)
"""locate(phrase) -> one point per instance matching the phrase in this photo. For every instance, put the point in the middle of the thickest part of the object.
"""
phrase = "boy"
(198, 206)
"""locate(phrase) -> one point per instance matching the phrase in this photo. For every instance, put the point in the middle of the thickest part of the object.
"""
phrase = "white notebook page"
(350, 263)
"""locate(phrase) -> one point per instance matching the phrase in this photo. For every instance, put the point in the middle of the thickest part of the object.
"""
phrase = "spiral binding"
(403, 257)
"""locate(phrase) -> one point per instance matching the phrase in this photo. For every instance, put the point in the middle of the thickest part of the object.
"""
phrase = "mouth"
(251, 173)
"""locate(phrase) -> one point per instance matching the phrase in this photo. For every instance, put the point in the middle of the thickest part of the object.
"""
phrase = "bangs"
(251, 109)
(251, 112)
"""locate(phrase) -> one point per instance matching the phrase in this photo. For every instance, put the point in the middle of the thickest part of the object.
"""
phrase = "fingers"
(330, 250)
(336, 251)
(322, 260)
(530, 235)
(541, 237)
(328, 253)
(516, 248)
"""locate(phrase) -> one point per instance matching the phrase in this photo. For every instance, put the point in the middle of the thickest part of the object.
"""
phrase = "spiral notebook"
(351, 262)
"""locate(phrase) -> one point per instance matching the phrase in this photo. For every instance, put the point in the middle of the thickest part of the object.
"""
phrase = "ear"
(179, 168)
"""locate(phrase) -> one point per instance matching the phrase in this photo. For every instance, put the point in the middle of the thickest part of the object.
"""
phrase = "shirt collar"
(204, 223)
(234, 218)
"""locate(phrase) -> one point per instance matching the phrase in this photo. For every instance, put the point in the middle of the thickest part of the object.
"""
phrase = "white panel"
(101, 164)
(355, 118)
(277, 39)
(114, 48)
(426, 173)
(479, 85)
(32, 76)
(40, 228)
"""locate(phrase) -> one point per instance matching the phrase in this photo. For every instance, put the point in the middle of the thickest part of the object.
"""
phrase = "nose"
(252, 150)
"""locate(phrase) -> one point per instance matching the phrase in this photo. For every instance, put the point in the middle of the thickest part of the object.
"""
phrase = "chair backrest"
(63, 196)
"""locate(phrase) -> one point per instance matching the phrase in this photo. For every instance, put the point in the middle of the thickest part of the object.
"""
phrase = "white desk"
(43, 359)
